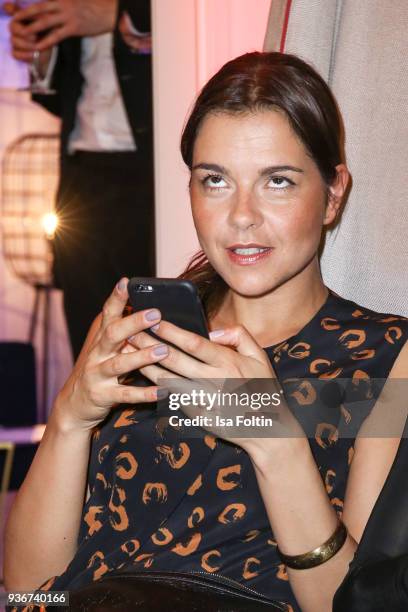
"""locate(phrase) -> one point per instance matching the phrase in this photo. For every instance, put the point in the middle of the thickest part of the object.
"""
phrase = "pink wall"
(192, 39)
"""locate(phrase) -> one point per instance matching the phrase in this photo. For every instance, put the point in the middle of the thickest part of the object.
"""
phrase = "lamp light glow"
(50, 224)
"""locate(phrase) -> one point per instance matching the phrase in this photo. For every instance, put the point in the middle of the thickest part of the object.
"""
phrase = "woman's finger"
(115, 304)
(240, 339)
(119, 330)
(129, 394)
(191, 343)
(178, 362)
(158, 374)
(122, 363)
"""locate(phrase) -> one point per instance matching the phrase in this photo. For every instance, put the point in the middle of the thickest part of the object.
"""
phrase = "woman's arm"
(301, 515)
(42, 528)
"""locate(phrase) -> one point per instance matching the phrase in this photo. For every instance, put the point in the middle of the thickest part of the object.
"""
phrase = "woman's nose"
(244, 211)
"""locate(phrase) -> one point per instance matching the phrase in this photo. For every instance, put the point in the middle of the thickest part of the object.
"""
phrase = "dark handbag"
(153, 590)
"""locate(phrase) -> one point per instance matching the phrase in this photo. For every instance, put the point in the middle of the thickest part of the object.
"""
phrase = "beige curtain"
(360, 48)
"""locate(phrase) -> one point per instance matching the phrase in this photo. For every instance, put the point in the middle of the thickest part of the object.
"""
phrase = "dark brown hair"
(258, 81)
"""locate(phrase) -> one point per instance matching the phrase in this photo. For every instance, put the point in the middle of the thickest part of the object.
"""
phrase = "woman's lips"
(249, 259)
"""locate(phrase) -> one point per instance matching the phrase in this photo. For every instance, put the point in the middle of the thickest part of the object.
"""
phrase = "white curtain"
(359, 47)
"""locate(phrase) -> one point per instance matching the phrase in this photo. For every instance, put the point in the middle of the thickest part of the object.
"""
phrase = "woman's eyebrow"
(212, 167)
(272, 169)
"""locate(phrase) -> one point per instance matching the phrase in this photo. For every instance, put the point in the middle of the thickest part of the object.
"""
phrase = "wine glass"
(37, 84)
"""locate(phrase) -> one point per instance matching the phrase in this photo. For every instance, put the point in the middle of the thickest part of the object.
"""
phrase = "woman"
(263, 144)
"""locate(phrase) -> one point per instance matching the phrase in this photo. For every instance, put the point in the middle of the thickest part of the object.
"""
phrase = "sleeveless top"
(167, 503)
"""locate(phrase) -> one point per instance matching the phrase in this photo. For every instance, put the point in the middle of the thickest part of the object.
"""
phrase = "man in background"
(96, 58)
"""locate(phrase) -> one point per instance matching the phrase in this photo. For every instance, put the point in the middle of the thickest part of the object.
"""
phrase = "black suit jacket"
(134, 76)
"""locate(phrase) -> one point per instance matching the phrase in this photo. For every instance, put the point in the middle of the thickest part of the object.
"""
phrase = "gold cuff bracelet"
(319, 555)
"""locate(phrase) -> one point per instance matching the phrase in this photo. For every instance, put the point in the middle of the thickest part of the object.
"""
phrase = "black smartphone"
(177, 300)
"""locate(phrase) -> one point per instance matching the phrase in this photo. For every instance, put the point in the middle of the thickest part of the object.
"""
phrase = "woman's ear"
(336, 193)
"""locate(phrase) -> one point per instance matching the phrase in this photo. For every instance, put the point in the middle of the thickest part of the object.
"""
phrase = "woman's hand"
(230, 354)
(93, 387)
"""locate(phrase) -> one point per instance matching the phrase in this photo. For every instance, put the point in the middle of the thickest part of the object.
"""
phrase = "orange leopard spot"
(352, 338)
(367, 354)
(196, 485)
(330, 476)
(305, 394)
(316, 364)
(119, 520)
(326, 430)
(247, 573)
(127, 417)
(392, 334)
(190, 547)
(90, 519)
(165, 536)
(205, 558)
(333, 374)
(282, 574)
(169, 453)
(102, 453)
(130, 547)
(147, 558)
(251, 535)
(360, 375)
(101, 477)
(357, 313)
(224, 473)
(210, 441)
(346, 414)
(299, 351)
(195, 517)
(329, 323)
(98, 559)
(123, 471)
(237, 512)
(159, 488)
(338, 505)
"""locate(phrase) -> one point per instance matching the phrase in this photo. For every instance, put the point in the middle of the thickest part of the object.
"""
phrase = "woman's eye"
(279, 182)
(214, 181)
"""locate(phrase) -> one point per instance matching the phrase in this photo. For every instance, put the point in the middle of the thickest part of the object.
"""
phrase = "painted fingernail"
(160, 349)
(161, 393)
(152, 315)
(155, 327)
(122, 284)
(216, 333)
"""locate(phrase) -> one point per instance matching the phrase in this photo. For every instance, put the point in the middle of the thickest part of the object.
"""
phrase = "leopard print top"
(162, 501)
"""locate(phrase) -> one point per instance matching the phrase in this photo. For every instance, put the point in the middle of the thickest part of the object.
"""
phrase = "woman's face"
(258, 200)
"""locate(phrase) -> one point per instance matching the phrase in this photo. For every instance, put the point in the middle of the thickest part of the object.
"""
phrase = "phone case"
(177, 300)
